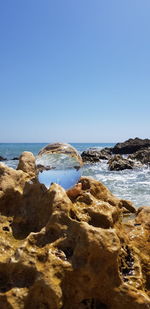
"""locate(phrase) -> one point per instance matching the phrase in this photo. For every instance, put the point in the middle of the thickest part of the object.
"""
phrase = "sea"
(132, 185)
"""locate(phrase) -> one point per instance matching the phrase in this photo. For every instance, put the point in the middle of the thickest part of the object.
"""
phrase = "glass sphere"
(59, 163)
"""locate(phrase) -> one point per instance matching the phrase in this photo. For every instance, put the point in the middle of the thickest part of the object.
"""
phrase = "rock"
(115, 158)
(69, 251)
(75, 191)
(102, 215)
(131, 146)
(138, 249)
(141, 155)
(27, 163)
(12, 183)
(11, 179)
(90, 156)
(15, 158)
(2, 159)
(118, 163)
(128, 205)
(98, 191)
(95, 155)
(143, 216)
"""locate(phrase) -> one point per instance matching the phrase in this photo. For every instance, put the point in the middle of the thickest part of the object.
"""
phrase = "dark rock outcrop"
(118, 163)
(2, 158)
(131, 146)
(95, 155)
(141, 155)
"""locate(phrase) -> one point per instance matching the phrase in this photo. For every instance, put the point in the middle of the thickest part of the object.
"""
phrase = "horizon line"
(58, 142)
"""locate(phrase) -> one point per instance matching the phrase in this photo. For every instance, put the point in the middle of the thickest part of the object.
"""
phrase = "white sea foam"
(128, 184)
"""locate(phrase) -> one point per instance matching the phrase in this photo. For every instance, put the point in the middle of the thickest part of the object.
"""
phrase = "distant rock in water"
(95, 155)
(131, 146)
(118, 163)
(139, 150)
(2, 159)
(142, 155)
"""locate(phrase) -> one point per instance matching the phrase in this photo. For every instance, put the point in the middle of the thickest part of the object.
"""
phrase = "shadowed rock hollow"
(70, 249)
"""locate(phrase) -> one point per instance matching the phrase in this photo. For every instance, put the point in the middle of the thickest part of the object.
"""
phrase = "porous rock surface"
(27, 163)
(95, 155)
(141, 155)
(65, 251)
(118, 163)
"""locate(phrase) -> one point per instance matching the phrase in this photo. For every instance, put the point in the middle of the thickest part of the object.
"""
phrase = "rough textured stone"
(61, 251)
(131, 145)
(118, 163)
(12, 184)
(128, 205)
(27, 163)
(95, 155)
(142, 155)
(143, 216)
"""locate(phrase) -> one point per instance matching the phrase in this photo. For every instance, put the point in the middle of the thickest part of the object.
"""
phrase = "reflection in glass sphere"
(59, 163)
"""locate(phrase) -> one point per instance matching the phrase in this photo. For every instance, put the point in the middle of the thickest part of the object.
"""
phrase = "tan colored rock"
(75, 191)
(143, 216)
(12, 180)
(72, 253)
(99, 191)
(12, 184)
(27, 163)
(128, 205)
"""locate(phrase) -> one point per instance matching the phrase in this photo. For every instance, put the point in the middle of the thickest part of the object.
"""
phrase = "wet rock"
(118, 163)
(95, 155)
(131, 145)
(27, 163)
(70, 251)
(2, 158)
(141, 155)
(90, 156)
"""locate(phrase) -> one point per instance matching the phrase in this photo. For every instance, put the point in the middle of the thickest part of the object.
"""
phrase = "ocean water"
(133, 184)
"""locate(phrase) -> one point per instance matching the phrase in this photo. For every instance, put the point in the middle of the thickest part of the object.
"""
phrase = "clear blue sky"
(74, 70)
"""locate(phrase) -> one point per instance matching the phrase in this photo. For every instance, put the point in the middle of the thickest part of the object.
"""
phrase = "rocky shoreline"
(78, 249)
(138, 151)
